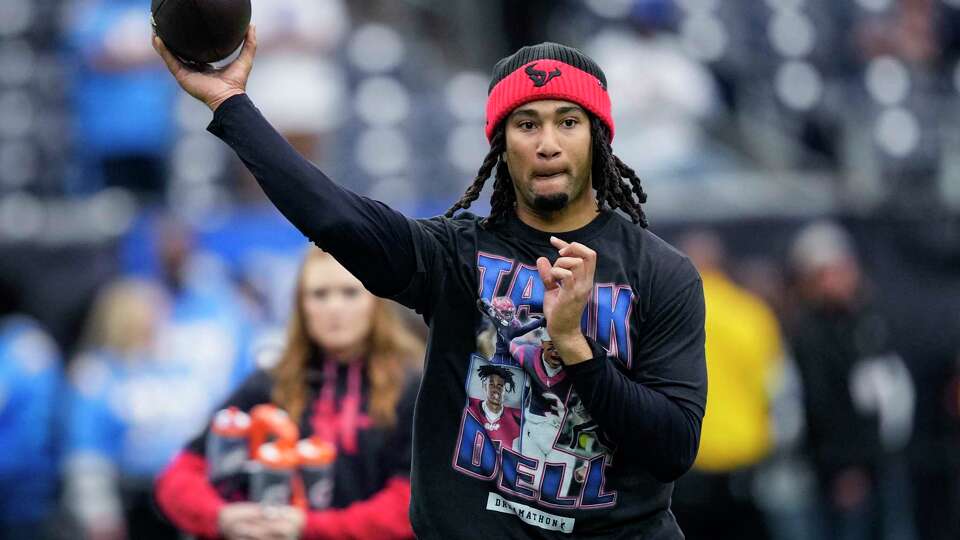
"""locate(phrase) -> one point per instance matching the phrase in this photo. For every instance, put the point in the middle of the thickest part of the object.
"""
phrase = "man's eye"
(570, 122)
(526, 125)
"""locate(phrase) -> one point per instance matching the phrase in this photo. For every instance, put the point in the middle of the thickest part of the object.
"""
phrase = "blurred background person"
(129, 412)
(299, 45)
(664, 98)
(744, 353)
(858, 395)
(348, 374)
(30, 386)
(210, 328)
(162, 348)
(299, 42)
(123, 116)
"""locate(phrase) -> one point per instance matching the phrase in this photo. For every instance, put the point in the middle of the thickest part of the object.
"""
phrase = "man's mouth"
(548, 175)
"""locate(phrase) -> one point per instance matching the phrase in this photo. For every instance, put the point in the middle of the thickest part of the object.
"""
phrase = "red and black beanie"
(547, 71)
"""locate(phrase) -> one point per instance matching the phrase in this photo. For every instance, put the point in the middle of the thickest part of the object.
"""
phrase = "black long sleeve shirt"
(477, 472)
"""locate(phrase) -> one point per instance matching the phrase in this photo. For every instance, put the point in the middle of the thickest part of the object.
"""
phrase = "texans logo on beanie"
(547, 71)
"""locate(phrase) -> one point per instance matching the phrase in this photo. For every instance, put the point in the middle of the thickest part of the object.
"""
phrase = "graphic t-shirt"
(604, 464)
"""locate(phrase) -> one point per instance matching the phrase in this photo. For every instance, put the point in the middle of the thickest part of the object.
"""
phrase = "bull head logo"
(540, 77)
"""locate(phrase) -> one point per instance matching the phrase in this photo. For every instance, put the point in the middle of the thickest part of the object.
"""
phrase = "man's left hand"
(569, 284)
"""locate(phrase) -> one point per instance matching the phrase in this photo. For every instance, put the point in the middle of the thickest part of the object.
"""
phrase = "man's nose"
(549, 148)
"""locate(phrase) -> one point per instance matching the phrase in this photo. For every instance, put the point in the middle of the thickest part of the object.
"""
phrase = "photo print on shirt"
(524, 428)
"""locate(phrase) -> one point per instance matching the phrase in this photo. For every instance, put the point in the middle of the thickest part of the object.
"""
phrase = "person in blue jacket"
(123, 106)
(151, 370)
(30, 379)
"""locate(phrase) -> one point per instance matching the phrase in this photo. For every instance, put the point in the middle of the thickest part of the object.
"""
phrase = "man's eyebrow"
(568, 109)
(530, 113)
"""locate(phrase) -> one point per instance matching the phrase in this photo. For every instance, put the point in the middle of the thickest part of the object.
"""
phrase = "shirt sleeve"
(656, 419)
(371, 240)
(434, 247)
(187, 498)
(383, 516)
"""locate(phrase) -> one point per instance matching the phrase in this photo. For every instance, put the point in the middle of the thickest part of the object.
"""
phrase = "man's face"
(549, 154)
(550, 355)
(837, 283)
(506, 314)
(494, 388)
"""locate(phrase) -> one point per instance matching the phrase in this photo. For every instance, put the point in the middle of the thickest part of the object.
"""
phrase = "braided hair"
(488, 370)
(616, 184)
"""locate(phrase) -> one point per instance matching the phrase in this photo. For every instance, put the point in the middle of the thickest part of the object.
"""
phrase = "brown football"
(201, 31)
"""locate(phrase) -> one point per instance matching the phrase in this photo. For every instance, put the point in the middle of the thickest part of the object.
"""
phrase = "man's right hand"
(213, 87)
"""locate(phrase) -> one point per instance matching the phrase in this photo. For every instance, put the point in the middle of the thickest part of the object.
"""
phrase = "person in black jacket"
(624, 309)
(842, 351)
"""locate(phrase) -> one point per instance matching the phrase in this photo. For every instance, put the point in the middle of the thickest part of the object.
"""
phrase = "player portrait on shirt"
(580, 435)
(495, 399)
(503, 315)
(554, 419)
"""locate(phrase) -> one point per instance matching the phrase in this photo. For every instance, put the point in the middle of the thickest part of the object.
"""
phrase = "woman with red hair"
(348, 373)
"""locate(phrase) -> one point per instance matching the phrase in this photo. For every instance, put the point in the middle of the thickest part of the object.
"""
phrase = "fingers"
(248, 51)
(249, 530)
(573, 249)
(576, 249)
(545, 269)
(169, 59)
(570, 263)
(560, 275)
(573, 270)
(564, 268)
(285, 526)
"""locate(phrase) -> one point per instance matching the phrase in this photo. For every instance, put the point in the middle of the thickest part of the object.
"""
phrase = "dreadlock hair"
(488, 370)
(503, 195)
(616, 184)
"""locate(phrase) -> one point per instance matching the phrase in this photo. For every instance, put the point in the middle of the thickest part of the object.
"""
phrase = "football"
(201, 31)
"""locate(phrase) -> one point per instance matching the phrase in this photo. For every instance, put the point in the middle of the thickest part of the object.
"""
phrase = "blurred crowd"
(804, 153)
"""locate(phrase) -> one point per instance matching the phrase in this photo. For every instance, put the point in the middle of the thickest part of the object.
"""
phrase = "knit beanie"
(547, 71)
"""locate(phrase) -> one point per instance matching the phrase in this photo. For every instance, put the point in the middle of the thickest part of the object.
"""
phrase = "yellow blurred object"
(744, 352)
